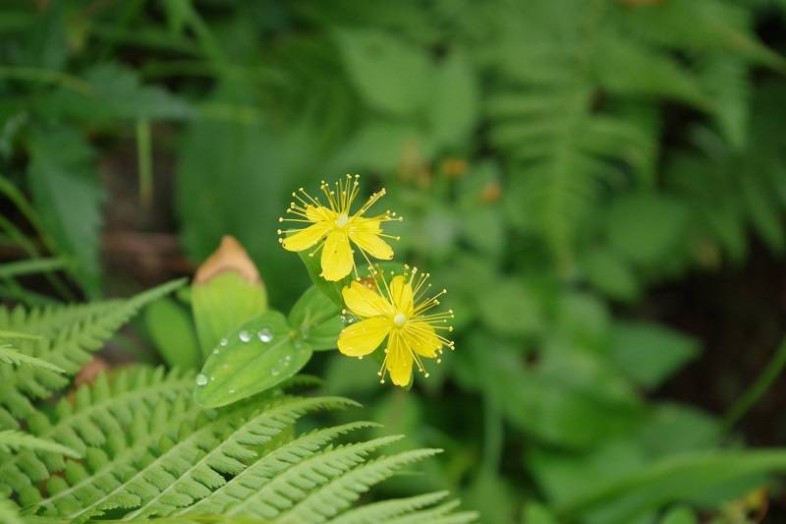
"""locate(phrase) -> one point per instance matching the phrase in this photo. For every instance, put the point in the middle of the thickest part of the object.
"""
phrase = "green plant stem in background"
(27, 267)
(45, 76)
(493, 433)
(144, 155)
(757, 389)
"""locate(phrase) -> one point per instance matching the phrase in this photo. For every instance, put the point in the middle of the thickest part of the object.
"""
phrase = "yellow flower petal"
(365, 233)
(421, 338)
(337, 260)
(401, 295)
(320, 213)
(363, 302)
(399, 361)
(305, 238)
(363, 337)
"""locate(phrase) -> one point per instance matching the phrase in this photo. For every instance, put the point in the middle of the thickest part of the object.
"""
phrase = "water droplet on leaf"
(265, 335)
(201, 380)
(223, 342)
(244, 336)
(347, 319)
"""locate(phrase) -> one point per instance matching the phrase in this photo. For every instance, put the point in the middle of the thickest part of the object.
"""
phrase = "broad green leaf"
(391, 75)
(222, 304)
(680, 515)
(227, 291)
(610, 274)
(645, 228)
(564, 477)
(673, 429)
(317, 319)
(67, 194)
(259, 355)
(330, 289)
(535, 513)
(383, 145)
(236, 177)
(510, 308)
(649, 354)
(172, 329)
(453, 110)
(114, 92)
(683, 477)
(490, 494)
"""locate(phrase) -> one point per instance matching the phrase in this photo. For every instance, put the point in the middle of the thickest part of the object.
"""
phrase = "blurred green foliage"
(553, 159)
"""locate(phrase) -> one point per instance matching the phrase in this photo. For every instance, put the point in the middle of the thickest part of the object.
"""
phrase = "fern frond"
(10, 355)
(193, 481)
(282, 476)
(70, 334)
(8, 513)
(11, 439)
(726, 79)
(388, 509)
(139, 405)
(335, 496)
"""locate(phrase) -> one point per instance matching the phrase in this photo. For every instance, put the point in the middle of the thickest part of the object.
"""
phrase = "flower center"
(400, 319)
(342, 220)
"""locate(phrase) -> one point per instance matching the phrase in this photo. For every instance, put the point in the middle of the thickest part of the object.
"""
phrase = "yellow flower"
(397, 312)
(333, 228)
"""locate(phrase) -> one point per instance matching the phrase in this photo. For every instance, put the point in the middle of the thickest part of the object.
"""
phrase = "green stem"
(493, 434)
(33, 74)
(144, 151)
(757, 389)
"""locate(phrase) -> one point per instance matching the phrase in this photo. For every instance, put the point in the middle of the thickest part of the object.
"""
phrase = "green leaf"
(685, 476)
(610, 274)
(649, 354)
(173, 332)
(391, 75)
(225, 185)
(382, 145)
(646, 227)
(510, 308)
(680, 515)
(673, 429)
(67, 194)
(10, 355)
(222, 303)
(317, 319)
(114, 92)
(626, 67)
(330, 289)
(453, 111)
(11, 439)
(535, 513)
(259, 355)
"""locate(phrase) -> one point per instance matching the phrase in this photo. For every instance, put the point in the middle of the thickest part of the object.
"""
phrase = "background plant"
(555, 162)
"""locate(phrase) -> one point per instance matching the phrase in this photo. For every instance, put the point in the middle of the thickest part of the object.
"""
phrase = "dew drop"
(265, 335)
(287, 360)
(201, 380)
(223, 342)
(232, 391)
(215, 351)
(348, 319)
(274, 371)
(244, 336)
